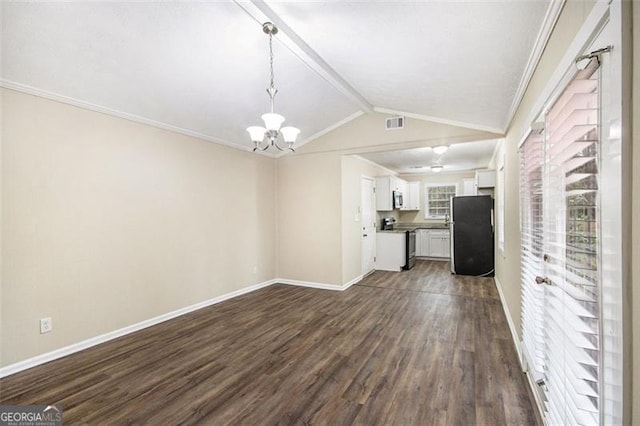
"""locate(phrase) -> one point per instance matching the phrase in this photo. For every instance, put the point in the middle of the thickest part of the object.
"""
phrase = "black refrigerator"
(472, 235)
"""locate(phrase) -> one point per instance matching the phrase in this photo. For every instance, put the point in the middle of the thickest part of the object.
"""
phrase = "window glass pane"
(437, 200)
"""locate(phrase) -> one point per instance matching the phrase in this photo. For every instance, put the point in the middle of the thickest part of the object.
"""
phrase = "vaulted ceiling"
(201, 68)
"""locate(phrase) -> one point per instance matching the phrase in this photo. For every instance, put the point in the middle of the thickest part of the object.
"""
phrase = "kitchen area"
(446, 218)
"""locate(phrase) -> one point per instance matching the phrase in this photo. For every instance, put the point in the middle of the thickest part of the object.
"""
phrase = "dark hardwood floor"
(419, 347)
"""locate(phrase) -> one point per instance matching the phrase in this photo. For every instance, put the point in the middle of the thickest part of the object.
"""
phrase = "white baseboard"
(512, 327)
(93, 341)
(356, 280)
(536, 396)
(519, 350)
(322, 286)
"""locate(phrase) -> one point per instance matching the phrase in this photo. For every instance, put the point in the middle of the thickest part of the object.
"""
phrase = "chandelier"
(264, 137)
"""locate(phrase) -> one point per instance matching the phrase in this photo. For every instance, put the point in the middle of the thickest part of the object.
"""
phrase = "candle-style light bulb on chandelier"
(264, 137)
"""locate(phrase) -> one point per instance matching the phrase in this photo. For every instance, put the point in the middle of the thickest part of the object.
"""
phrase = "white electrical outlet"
(46, 325)
(255, 270)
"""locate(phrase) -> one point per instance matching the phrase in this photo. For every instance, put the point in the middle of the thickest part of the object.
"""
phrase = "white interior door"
(368, 221)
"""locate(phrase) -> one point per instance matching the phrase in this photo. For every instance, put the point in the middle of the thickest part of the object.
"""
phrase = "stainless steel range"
(411, 249)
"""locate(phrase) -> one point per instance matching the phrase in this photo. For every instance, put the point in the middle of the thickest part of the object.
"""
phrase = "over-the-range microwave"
(397, 199)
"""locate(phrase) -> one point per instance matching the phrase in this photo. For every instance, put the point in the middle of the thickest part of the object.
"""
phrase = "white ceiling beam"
(261, 12)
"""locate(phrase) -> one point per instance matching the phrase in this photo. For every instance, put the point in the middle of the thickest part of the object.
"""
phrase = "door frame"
(371, 236)
(616, 13)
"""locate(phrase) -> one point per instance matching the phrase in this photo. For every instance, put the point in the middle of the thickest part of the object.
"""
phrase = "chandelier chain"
(272, 131)
(271, 60)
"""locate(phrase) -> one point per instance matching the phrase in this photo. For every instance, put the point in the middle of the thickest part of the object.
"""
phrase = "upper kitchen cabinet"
(469, 187)
(401, 185)
(385, 186)
(485, 179)
(411, 196)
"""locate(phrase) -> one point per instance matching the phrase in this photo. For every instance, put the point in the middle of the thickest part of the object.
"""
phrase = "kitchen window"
(437, 199)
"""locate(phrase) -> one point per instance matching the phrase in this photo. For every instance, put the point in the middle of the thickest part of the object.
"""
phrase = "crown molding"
(30, 90)
(366, 160)
(548, 24)
(23, 88)
(598, 17)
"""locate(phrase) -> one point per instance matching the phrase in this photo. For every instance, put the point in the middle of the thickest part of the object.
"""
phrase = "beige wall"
(636, 215)
(312, 244)
(353, 168)
(309, 247)
(418, 216)
(106, 222)
(366, 133)
(508, 265)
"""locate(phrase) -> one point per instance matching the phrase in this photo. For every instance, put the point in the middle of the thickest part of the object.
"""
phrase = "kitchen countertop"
(423, 226)
(413, 228)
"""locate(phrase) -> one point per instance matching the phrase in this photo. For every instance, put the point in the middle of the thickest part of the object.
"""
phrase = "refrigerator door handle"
(452, 262)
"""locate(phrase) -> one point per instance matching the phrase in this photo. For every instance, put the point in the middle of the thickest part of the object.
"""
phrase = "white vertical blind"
(571, 244)
(531, 162)
(561, 243)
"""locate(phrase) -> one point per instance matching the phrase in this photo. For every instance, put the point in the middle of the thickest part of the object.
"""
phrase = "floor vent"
(394, 123)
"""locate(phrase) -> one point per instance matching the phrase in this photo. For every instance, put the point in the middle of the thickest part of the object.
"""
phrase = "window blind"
(531, 162)
(560, 247)
(570, 241)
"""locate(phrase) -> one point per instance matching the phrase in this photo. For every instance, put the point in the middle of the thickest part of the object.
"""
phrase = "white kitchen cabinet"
(411, 196)
(401, 185)
(422, 242)
(384, 193)
(485, 179)
(390, 251)
(469, 187)
(439, 244)
(434, 243)
(385, 185)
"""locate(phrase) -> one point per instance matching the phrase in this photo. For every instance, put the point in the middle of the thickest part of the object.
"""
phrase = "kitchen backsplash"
(379, 215)
(416, 217)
